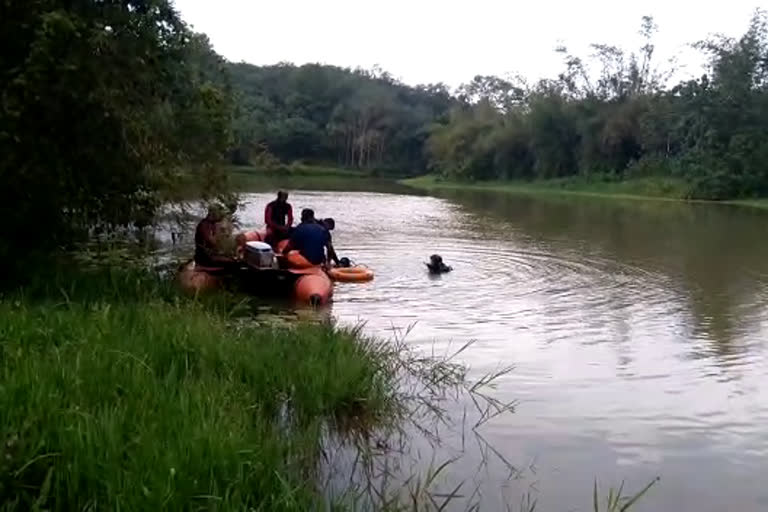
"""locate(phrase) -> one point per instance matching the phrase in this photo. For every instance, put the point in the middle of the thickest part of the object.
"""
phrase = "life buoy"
(351, 274)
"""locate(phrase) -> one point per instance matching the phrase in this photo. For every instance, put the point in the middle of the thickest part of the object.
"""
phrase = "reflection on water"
(637, 330)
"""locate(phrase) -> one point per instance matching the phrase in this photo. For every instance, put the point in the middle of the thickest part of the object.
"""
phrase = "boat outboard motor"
(259, 255)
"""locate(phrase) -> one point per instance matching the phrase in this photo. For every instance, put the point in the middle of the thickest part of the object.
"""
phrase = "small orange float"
(351, 274)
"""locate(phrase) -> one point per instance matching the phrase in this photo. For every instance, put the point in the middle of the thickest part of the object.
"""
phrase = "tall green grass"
(138, 400)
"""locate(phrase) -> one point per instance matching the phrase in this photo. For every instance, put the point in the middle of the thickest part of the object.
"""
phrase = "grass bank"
(312, 178)
(752, 203)
(641, 188)
(298, 170)
(116, 394)
(650, 188)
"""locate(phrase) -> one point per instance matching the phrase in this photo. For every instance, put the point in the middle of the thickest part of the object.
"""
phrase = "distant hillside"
(353, 118)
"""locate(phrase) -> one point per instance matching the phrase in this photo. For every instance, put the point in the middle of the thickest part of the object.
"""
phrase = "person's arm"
(331, 251)
(290, 216)
(208, 233)
(331, 254)
(268, 217)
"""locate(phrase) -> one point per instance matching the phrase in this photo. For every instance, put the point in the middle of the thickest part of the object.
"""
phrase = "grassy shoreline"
(117, 393)
(303, 170)
(641, 189)
(297, 170)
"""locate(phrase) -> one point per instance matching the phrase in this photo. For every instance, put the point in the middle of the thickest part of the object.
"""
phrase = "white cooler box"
(260, 255)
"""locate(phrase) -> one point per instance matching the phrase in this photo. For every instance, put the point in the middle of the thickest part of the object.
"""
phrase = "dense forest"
(611, 115)
(359, 118)
(107, 106)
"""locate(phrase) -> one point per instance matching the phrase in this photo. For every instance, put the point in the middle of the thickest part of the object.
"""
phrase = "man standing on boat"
(278, 216)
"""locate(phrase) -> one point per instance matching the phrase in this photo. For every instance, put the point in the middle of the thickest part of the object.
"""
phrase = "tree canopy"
(622, 121)
(102, 105)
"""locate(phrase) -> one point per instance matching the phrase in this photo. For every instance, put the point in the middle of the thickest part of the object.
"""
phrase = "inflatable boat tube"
(249, 236)
(351, 274)
(280, 247)
(195, 279)
(296, 260)
(315, 289)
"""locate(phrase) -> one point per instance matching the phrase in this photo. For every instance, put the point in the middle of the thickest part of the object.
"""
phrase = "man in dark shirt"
(330, 225)
(278, 215)
(310, 238)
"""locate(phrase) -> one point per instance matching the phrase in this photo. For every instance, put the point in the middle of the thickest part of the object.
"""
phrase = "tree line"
(622, 121)
(612, 115)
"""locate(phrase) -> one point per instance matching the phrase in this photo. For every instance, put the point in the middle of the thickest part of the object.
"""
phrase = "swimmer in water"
(436, 265)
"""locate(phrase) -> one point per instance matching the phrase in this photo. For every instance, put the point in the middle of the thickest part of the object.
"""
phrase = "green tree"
(612, 116)
(103, 103)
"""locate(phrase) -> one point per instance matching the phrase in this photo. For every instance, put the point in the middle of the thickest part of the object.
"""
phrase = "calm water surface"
(638, 332)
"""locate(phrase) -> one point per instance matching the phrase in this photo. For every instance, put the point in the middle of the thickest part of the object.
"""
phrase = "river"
(638, 332)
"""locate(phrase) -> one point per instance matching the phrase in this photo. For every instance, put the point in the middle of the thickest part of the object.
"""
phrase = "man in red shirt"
(278, 216)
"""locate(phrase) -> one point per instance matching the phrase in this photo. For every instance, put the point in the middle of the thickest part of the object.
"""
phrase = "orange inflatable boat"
(307, 283)
(310, 286)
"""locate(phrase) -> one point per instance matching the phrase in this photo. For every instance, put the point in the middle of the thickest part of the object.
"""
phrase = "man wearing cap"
(207, 252)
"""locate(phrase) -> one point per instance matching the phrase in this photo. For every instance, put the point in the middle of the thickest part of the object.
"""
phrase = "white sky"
(421, 41)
